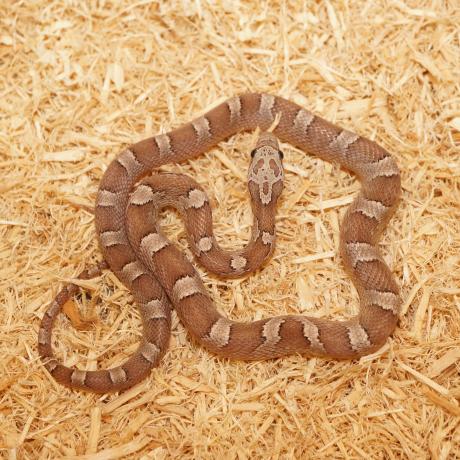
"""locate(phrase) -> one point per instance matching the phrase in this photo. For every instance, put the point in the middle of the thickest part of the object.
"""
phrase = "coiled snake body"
(159, 275)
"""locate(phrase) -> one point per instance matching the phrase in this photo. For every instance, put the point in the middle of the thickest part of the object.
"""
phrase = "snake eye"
(281, 154)
(253, 153)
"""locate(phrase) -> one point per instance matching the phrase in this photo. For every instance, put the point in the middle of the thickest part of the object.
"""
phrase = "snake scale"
(159, 276)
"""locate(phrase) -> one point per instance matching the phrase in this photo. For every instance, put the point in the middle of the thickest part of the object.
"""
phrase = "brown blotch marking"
(334, 337)
(358, 228)
(245, 341)
(266, 189)
(258, 165)
(365, 150)
(178, 267)
(104, 214)
(111, 179)
(250, 104)
(292, 337)
(120, 256)
(375, 275)
(147, 153)
(198, 317)
(387, 190)
(275, 167)
(267, 139)
(379, 324)
(183, 142)
(149, 288)
(320, 135)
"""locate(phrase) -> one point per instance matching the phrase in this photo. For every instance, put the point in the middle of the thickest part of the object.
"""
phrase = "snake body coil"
(158, 275)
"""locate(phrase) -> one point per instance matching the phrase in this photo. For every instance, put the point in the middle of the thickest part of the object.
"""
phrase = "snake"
(160, 277)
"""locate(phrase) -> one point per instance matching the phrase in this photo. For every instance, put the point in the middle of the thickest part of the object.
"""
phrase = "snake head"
(265, 176)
